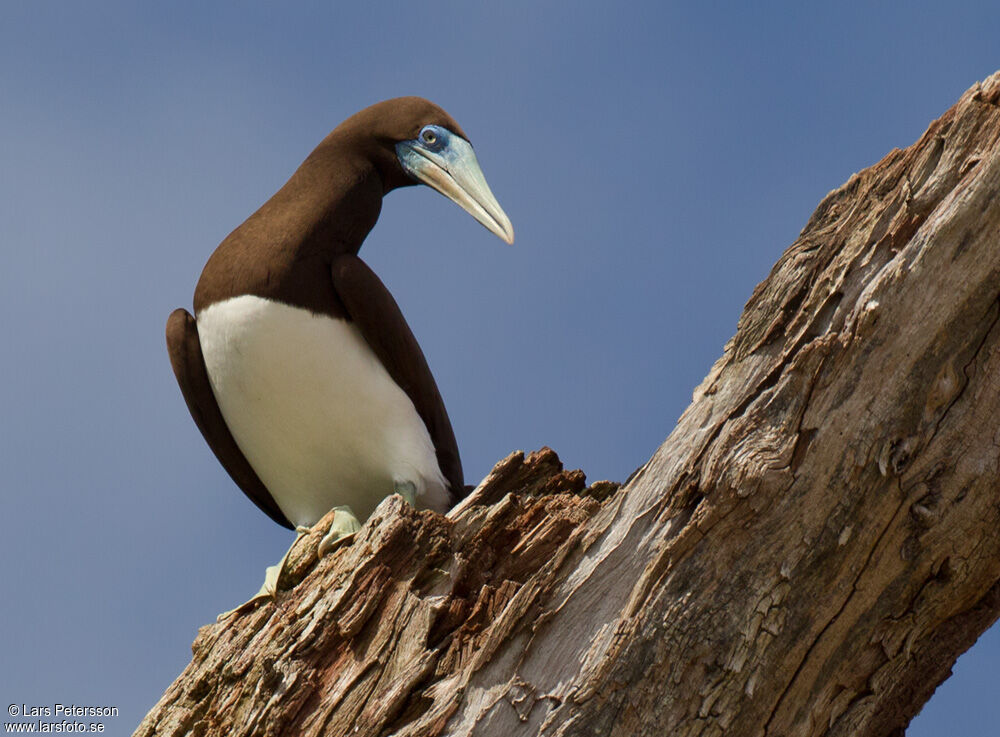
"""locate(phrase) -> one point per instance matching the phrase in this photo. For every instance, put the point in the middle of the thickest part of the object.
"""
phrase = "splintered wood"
(807, 553)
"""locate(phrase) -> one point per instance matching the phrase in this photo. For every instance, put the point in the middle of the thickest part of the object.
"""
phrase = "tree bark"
(807, 553)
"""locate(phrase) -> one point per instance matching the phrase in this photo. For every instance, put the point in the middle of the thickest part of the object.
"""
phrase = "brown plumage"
(300, 249)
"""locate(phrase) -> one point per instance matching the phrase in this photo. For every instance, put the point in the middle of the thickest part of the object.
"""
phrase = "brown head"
(334, 198)
(378, 128)
(410, 140)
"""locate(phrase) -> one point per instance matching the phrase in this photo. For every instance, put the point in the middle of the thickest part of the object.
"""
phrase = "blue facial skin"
(434, 140)
(446, 162)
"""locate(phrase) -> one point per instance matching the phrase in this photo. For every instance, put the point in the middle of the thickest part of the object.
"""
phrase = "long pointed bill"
(455, 173)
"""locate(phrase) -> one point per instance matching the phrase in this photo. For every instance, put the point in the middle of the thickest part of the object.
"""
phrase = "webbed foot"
(343, 528)
(271, 575)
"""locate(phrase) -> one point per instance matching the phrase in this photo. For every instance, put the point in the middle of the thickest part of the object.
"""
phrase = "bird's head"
(416, 142)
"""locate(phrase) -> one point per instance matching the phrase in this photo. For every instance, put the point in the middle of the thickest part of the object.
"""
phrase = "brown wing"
(377, 315)
(189, 368)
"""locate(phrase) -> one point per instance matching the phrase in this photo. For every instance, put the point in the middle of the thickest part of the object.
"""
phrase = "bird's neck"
(325, 209)
(329, 205)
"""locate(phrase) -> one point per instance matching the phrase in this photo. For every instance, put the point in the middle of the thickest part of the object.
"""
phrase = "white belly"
(313, 410)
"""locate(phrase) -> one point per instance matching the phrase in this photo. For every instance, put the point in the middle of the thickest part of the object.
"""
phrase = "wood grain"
(807, 553)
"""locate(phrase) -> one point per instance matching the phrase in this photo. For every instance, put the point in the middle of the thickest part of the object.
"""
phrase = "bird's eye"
(428, 136)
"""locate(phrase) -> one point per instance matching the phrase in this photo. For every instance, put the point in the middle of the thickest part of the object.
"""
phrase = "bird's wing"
(375, 312)
(189, 368)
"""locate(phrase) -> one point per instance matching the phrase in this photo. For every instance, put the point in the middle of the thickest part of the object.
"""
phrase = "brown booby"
(297, 366)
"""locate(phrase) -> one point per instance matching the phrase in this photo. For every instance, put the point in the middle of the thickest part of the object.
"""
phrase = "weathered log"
(807, 553)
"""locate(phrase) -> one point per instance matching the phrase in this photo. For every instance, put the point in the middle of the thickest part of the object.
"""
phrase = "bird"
(297, 365)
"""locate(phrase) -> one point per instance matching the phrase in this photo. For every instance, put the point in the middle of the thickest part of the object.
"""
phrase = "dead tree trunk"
(807, 553)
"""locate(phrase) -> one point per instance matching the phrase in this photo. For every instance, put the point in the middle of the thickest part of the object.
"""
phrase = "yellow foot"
(271, 575)
(344, 526)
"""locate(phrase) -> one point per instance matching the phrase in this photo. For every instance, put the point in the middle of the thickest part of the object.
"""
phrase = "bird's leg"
(407, 490)
(344, 525)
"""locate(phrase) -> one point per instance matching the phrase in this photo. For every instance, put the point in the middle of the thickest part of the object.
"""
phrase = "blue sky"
(655, 159)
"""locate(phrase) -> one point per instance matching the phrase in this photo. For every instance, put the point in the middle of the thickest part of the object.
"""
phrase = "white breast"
(313, 410)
